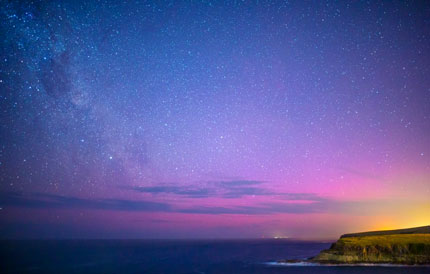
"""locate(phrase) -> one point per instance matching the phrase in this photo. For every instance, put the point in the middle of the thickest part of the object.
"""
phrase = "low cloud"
(302, 197)
(265, 209)
(235, 183)
(224, 189)
(40, 200)
(185, 191)
(313, 204)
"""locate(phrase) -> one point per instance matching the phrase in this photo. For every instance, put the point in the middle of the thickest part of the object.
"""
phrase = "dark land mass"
(403, 246)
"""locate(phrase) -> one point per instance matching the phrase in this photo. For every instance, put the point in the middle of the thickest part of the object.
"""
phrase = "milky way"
(213, 119)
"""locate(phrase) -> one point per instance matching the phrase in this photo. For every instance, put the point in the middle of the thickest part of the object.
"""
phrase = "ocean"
(170, 256)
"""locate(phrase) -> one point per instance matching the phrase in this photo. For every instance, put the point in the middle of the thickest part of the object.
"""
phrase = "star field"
(161, 119)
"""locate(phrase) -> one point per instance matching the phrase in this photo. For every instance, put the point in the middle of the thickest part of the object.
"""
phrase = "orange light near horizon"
(415, 218)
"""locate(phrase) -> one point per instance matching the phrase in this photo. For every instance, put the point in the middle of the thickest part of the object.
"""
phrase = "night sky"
(213, 119)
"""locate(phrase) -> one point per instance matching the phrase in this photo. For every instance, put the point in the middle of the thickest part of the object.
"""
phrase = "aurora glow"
(210, 119)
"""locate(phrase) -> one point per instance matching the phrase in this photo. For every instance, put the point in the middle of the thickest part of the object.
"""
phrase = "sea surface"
(171, 256)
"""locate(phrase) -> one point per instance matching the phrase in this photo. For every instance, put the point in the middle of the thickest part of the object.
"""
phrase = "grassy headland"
(394, 249)
(410, 246)
(403, 246)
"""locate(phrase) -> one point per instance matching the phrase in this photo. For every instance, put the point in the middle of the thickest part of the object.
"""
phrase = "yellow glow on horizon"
(420, 216)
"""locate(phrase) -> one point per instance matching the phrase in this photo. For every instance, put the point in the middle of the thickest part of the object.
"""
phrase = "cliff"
(404, 246)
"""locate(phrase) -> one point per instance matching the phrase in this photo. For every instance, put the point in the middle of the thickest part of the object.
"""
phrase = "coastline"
(402, 247)
(310, 263)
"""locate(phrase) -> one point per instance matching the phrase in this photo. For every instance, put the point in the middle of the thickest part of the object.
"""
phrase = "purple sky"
(213, 120)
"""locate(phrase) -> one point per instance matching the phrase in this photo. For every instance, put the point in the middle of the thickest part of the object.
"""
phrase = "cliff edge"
(404, 246)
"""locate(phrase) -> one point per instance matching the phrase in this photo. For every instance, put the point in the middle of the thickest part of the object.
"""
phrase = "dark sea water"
(168, 256)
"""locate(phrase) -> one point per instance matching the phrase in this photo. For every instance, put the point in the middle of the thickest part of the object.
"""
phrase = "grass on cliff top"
(386, 240)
